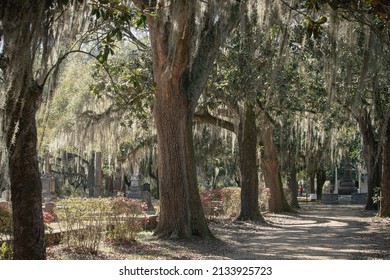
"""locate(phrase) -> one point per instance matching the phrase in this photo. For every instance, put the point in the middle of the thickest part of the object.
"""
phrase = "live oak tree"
(185, 38)
(239, 83)
(33, 34)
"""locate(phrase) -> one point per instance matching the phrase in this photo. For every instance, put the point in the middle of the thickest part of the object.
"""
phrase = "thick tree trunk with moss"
(26, 187)
(32, 42)
(177, 173)
(247, 141)
(19, 104)
(185, 38)
(270, 168)
(372, 159)
(385, 189)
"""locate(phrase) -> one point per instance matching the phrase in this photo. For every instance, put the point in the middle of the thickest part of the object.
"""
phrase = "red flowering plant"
(212, 202)
(123, 224)
(47, 219)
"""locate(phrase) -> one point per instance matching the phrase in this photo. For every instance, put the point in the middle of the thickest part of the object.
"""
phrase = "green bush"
(227, 202)
(85, 222)
(123, 225)
(5, 221)
(5, 229)
(231, 201)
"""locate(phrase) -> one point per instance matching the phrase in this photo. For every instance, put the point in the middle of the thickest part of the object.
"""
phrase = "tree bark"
(181, 213)
(385, 190)
(19, 104)
(321, 178)
(26, 187)
(184, 49)
(270, 169)
(247, 141)
(371, 158)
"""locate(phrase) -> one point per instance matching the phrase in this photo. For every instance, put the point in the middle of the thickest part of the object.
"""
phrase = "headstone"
(134, 190)
(48, 182)
(5, 195)
(147, 198)
(347, 185)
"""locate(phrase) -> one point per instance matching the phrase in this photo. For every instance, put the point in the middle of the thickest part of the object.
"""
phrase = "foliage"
(212, 203)
(226, 202)
(5, 221)
(123, 224)
(85, 220)
(231, 201)
(215, 156)
(5, 251)
(5, 229)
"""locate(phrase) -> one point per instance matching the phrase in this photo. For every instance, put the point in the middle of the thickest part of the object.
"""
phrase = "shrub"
(212, 203)
(83, 221)
(231, 201)
(86, 221)
(264, 196)
(5, 221)
(123, 225)
(5, 229)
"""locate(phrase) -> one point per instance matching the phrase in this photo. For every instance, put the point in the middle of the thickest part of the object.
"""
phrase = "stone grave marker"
(134, 190)
(147, 198)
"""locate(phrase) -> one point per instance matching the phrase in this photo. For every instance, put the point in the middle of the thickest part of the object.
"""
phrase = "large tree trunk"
(270, 169)
(371, 158)
(21, 21)
(321, 178)
(247, 141)
(26, 187)
(185, 38)
(385, 190)
(181, 213)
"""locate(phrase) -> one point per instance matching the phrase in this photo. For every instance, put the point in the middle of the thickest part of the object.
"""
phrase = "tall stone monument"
(48, 182)
(347, 184)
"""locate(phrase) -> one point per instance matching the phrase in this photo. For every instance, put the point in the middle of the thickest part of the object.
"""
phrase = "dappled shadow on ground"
(316, 232)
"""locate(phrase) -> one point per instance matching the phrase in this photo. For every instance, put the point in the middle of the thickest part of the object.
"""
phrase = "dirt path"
(317, 231)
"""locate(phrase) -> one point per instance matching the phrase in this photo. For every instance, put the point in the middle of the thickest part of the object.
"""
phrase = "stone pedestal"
(134, 190)
(347, 184)
(48, 188)
(330, 198)
(359, 198)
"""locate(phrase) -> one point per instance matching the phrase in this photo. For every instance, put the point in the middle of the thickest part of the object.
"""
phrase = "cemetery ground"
(316, 232)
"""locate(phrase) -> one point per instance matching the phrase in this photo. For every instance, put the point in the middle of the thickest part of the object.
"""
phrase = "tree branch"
(206, 117)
